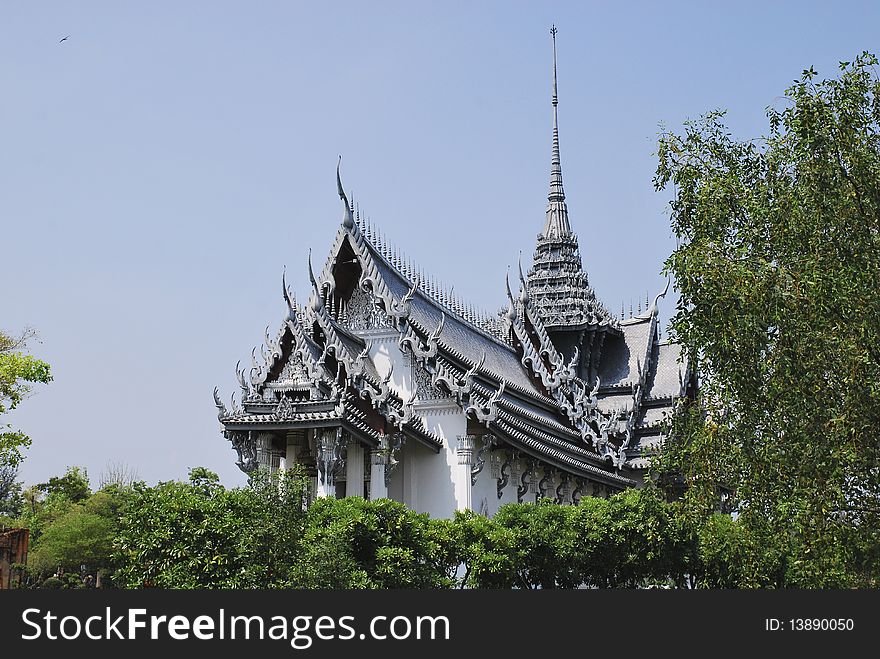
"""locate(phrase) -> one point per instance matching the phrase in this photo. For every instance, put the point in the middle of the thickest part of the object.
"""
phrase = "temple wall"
(386, 355)
(423, 480)
(436, 471)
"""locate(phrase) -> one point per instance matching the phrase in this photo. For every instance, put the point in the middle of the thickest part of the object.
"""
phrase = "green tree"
(78, 539)
(543, 542)
(778, 268)
(18, 372)
(11, 498)
(72, 486)
(71, 529)
(354, 543)
(485, 549)
(646, 542)
(202, 535)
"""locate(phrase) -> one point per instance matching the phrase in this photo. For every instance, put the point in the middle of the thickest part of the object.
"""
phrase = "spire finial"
(553, 32)
(557, 213)
(347, 220)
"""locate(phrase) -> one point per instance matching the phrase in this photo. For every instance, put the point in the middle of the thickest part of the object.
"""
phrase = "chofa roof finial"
(511, 311)
(524, 287)
(347, 220)
(652, 311)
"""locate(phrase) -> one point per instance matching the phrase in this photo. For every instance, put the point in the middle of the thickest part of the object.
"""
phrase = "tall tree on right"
(778, 270)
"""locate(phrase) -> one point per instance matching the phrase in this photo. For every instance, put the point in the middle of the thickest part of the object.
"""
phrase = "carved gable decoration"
(362, 313)
(294, 377)
(425, 388)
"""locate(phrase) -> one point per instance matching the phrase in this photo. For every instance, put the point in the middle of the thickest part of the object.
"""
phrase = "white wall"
(423, 480)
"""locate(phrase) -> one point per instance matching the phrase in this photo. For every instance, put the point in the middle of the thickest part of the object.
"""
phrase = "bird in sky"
(65, 38)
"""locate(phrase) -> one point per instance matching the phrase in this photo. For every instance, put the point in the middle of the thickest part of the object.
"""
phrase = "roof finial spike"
(347, 220)
(288, 296)
(654, 308)
(524, 289)
(511, 311)
(318, 294)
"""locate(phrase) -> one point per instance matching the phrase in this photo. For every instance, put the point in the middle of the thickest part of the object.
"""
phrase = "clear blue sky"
(160, 167)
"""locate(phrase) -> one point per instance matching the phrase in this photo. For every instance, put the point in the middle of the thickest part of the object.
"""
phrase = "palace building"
(386, 385)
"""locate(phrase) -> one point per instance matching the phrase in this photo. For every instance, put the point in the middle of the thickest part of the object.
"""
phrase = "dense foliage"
(202, 535)
(199, 534)
(179, 535)
(72, 530)
(778, 268)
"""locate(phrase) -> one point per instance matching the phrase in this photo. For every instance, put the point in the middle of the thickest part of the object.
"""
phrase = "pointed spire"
(557, 213)
(559, 290)
(347, 220)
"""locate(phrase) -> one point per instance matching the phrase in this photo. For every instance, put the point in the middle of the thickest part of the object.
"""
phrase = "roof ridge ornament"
(486, 414)
(347, 219)
(511, 312)
(654, 308)
(318, 299)
(524, 287)
(221, 408)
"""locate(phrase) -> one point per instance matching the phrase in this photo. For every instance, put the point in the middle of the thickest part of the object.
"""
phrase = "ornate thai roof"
(593, 409)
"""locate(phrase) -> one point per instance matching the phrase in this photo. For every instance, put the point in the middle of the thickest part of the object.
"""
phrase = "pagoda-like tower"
(557, 284)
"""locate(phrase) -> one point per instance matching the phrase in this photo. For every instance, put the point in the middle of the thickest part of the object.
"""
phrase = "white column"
(264, 450)
(354, 469)
(292, 448)
(323, 489)
(462, 477)
(378, 489)
(328, 446)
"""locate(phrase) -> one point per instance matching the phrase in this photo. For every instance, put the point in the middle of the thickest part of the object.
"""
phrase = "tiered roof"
(593, 414)
(557, 283)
